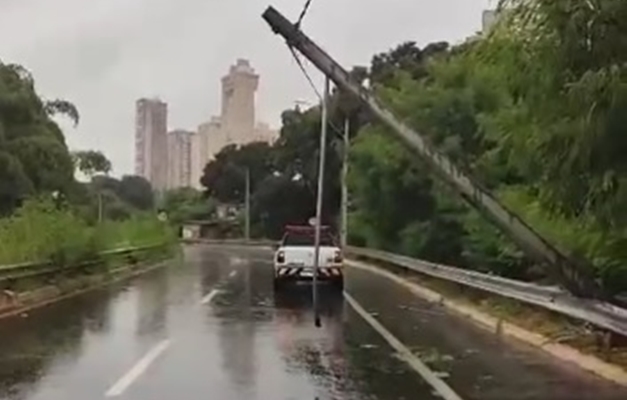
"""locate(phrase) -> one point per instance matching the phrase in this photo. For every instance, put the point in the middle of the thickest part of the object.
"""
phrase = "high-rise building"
(151, 152)
(179, 159)
(236, 124)
(209, 140)
(488, 19)
(238, 102)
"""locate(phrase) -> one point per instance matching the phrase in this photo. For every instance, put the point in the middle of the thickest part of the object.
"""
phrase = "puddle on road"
(235, 261)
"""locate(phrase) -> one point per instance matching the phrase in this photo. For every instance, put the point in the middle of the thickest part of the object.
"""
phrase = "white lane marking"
(207, 299)
(232, 274)
(414, 362)
(138, 369)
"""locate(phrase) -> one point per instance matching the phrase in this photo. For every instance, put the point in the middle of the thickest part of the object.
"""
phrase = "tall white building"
(237, 123)
(238, 102)
(205, 146)
(151, 152)
(180, 159)
(488, 19)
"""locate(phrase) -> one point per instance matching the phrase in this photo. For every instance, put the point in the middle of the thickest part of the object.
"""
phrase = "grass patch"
(40, 230)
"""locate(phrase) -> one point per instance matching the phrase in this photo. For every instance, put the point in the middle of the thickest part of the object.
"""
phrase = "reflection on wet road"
(211, 326)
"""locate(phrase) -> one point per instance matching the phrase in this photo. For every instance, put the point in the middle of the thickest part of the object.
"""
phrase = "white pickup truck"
(294, 258)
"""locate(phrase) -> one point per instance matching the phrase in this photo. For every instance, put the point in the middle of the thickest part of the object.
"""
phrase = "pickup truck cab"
(294, 257)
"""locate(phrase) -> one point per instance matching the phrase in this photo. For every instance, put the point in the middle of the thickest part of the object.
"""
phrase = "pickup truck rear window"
(307, 239)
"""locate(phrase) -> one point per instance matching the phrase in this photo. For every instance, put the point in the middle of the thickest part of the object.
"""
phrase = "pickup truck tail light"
(338, 257)
(280, 257)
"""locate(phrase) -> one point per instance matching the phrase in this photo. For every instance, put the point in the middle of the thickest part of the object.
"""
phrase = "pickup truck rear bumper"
(305, 273)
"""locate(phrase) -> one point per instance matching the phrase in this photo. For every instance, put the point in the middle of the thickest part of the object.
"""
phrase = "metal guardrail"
(30, 269)
(232, 242)
(597, 313)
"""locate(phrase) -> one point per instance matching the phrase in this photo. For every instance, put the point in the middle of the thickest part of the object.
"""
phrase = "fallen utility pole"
(574, 274)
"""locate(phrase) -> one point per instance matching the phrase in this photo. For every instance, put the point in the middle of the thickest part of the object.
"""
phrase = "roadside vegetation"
(535, 109)
(40, 230)
(187, 204)
(45, 212)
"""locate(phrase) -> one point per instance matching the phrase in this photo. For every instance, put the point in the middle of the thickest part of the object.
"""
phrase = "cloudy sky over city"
(104, 54)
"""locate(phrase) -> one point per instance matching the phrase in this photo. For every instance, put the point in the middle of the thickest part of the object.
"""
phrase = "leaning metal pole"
(322, 159)
(575, 274)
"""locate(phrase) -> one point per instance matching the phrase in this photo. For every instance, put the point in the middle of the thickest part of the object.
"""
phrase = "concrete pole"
(247, 227)
(100, 207)
(344, 227)
(323, 150)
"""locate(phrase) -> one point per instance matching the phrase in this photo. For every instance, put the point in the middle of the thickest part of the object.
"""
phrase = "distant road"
(210, 326)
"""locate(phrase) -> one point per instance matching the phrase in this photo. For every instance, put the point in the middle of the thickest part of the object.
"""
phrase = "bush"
(139, 230)
(40, 230)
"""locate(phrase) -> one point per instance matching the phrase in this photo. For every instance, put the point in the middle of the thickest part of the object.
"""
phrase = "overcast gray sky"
(104, 54)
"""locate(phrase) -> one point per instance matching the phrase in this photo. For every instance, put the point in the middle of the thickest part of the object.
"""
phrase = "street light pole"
(100, 207)
(247, 227)
(344, 227)
(323, 150)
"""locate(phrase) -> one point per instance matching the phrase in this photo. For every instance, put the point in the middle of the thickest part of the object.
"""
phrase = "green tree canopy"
(91, 162)
(33, 154)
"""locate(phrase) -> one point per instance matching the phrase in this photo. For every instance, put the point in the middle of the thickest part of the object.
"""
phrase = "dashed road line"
(414, 362)
(207, 299)
(232, 274)
(138, 369)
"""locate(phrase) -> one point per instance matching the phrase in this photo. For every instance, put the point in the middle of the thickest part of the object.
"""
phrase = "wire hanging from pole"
(303, 13)
(301, 66)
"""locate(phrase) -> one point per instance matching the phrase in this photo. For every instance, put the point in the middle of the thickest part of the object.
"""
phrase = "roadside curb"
(52, 294)
(587, 362)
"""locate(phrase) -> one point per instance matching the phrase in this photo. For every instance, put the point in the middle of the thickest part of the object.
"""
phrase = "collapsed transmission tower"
(575, 274)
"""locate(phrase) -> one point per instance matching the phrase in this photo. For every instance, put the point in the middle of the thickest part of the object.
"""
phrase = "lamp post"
(247, 206)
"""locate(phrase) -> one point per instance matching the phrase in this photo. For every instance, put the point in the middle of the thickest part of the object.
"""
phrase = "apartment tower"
(179, 159)
(151, 153)
(238, 102)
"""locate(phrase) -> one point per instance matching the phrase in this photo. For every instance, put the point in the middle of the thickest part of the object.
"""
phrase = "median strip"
(207, 299)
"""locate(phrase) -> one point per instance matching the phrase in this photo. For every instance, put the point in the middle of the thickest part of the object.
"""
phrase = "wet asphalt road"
(210, 326)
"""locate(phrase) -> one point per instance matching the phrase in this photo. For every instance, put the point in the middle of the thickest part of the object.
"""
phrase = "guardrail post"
(607, 344)
(499, 327)
(8, 298)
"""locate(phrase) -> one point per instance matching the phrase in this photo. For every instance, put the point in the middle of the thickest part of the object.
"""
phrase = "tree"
(279, 201)
(54, 107)
(34, 155)
(225, 177)
(14, 184)
(91, 162)
(187, 204)
(537, 112)
(137, 192)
